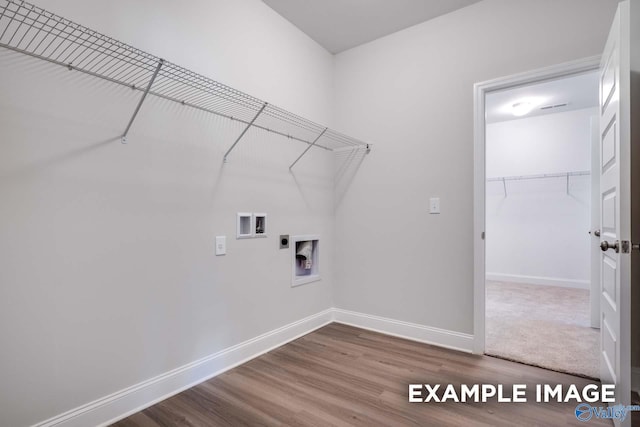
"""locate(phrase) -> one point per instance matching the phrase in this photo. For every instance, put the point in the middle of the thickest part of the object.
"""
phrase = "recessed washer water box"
(260, 224)
(305, 259)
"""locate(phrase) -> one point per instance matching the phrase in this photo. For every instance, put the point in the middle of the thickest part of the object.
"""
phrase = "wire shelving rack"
(566, 175)
(36, 32)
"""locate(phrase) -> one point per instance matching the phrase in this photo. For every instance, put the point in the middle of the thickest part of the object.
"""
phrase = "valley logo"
(585, 412)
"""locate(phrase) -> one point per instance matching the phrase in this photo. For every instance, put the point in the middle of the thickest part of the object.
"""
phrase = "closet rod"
(566, 175)
(545, 175)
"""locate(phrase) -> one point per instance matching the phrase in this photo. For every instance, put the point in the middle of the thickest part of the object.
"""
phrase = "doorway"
(481, 91)
(538, 215)
(615, 117)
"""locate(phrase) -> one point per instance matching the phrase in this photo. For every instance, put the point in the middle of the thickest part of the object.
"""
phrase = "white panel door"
(615, 208)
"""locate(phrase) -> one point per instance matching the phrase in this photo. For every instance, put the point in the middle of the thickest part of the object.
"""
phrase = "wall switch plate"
(221, 245)
(434, 205)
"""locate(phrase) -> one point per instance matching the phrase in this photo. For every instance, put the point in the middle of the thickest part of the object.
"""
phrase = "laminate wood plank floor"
(345, 376)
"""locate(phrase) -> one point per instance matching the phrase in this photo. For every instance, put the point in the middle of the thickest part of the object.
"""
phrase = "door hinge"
(626, 246)
(482, 235)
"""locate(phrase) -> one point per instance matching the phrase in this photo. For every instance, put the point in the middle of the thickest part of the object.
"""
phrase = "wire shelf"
(565, 175)
(539, 176)
(34, 31)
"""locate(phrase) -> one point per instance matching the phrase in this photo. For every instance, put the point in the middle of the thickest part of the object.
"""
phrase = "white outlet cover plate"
(221, 245)
(434, 205)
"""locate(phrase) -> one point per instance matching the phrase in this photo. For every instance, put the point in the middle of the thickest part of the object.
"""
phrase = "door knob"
(596, 233)
(605, 246)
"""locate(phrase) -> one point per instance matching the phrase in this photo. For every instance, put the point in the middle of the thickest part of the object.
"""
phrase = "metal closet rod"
(539, 176)
(36, 32)
(566, 175)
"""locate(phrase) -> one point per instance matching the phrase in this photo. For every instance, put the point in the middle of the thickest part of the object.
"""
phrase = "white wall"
(538, 233)
(411, 94)
(107, 267)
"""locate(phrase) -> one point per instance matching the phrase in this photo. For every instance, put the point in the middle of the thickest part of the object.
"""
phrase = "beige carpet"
(545, 326)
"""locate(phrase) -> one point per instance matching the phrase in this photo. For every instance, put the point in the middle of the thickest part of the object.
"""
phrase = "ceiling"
(339, 25)
(576, 92)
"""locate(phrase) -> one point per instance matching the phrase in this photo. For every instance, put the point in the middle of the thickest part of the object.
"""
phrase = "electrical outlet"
(284, 241)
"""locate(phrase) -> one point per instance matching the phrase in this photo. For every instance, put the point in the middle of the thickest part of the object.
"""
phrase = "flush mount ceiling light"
(519, 104)
(522, 108)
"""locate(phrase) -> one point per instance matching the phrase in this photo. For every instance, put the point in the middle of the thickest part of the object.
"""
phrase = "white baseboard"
(125, 402)
(119, 405)
(411, 331)
(635, 379)
(537, 280)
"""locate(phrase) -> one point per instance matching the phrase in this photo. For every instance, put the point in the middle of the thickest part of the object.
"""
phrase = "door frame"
(480, 90)
(594, 240)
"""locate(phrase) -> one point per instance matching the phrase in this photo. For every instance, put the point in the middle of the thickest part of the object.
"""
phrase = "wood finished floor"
(345, 376)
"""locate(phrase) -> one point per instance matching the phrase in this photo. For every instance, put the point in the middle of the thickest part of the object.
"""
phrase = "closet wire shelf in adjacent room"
(34, 31)
(565, 175)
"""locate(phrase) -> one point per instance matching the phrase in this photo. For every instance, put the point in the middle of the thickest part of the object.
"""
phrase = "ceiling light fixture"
(523, 108)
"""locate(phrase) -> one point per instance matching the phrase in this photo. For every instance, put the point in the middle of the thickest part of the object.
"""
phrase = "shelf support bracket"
(308, 148)
(504, 185)
(244, 131)
(144, 95)
(567, 182)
